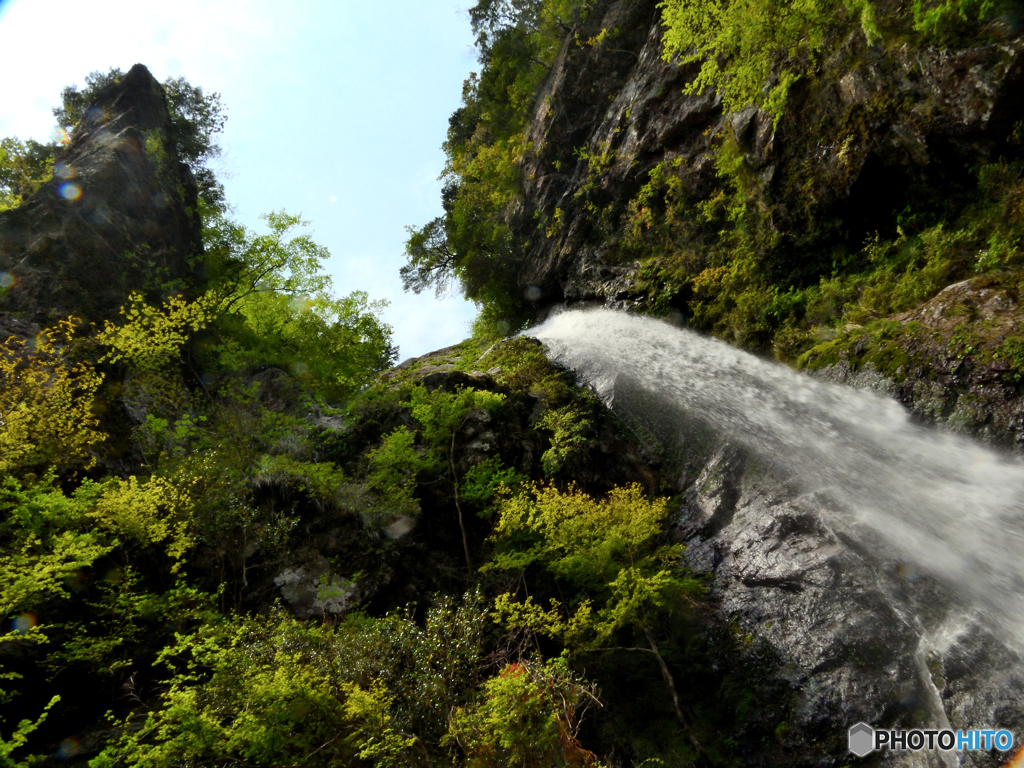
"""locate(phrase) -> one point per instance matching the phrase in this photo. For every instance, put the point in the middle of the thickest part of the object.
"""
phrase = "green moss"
(1012, 350)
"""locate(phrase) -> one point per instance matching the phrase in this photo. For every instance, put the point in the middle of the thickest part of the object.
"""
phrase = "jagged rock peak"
(119, 215)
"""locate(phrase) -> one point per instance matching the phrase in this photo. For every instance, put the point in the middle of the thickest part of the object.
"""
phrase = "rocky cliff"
(839, 622)
(119, 215)
(872, 130)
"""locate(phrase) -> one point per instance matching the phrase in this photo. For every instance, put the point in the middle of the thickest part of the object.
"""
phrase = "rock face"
(118, 216)
(874, 130)
(856, 634)
(954, 361)
(859, 635)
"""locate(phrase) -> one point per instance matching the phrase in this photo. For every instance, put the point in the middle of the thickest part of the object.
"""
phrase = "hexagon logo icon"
(862, 739)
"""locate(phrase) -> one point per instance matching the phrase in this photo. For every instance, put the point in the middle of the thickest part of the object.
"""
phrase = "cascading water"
(944, 502)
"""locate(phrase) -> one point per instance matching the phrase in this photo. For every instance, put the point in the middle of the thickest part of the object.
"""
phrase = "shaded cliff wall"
(873, 130)
(119, 215)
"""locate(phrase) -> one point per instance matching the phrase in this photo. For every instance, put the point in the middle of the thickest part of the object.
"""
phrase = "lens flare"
(300, 304)
(64, 171)
(60, 136)
(24, 623)
(7, 280)
(71, 192)
(399, 528)
(69, 748)
(1017, 761)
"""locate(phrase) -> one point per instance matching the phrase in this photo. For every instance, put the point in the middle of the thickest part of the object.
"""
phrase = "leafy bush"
(46, 403)
(273, 690)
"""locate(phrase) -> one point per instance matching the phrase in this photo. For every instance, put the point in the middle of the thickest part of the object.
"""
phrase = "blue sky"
(336, 110)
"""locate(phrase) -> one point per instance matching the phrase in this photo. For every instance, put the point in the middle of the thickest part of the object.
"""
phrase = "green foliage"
(394, 466)
(321, 479)
(20, 737)
(608, 549)
(472, 243)
(46, 403)
(24, 166)
(277, 307)
(153, 511)
(483, 482)
(942, 20)
(273, 690)
(150, 339)
(569, 427)
(1012, 350)
(272, 303)
(529, 716)
(264, 704)
(741, 44)
(440, 414)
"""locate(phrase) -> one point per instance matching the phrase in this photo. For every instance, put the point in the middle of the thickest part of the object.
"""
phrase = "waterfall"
(945, 503)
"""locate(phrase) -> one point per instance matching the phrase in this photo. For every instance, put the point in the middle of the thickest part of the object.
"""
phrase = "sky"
(336, 110)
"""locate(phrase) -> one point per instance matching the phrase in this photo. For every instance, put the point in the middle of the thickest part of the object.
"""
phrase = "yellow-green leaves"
(46, 403)
(528, 716)
(582, 538)
(554, 621)
(607, 548)
(275, 691)
(941, 20)
(568, 426)
(375, 737)
(39, 571)
(20, 737)
(741, 44)
(151, 511)
(150, 338)
(440, 414)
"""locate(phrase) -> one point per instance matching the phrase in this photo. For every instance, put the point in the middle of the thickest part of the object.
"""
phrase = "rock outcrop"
(858, 634)
(851, 632)
(956, 360)
(874, 130)
(119, 215)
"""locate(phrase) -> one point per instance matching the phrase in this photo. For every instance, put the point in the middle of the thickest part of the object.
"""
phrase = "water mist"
(946, 503)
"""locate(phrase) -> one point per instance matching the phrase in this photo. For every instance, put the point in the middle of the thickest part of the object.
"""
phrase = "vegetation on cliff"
(228, 534)
(808, 227)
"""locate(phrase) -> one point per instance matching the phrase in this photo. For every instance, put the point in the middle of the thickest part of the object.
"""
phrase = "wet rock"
(858, 635)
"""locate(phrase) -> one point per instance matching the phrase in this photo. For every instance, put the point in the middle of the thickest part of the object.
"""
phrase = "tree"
(432, 262)
(528, 717)
(24, 166)
(46, 404)
(609, 551)
(272, 304)
(273, 294)
(473, 243)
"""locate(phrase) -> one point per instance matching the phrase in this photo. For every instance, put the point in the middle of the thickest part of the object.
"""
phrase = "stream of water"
(944, 502)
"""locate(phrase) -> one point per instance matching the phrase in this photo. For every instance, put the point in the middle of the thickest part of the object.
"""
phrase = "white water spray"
(946, 503)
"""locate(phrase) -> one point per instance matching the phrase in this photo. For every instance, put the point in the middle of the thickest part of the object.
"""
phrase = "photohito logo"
(863, 739)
